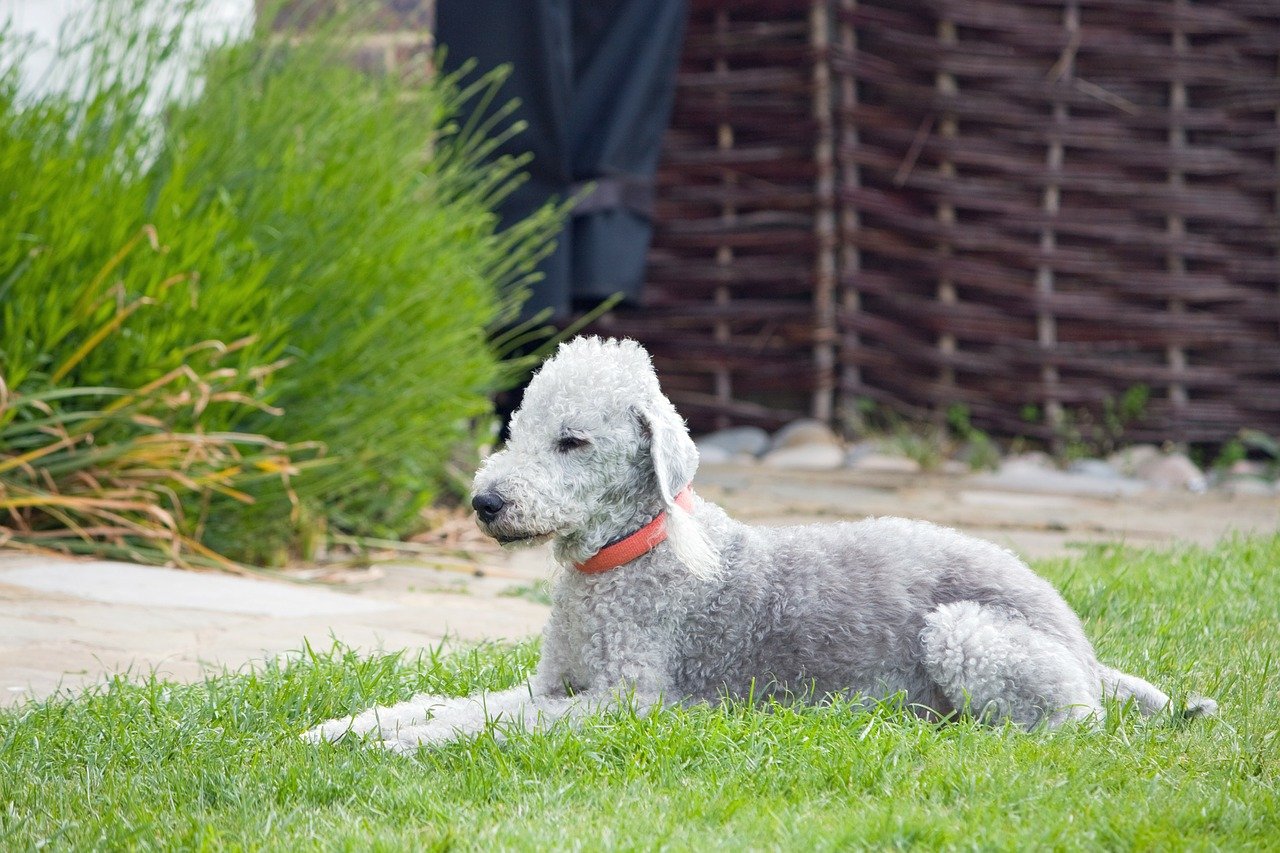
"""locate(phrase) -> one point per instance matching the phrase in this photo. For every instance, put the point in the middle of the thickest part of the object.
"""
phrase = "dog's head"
(594, 450)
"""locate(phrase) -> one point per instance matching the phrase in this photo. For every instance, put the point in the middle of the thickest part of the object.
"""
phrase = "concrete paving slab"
(67, 624)
(148, 586)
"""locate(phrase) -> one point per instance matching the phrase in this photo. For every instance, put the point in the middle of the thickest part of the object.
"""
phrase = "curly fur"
(865, 609)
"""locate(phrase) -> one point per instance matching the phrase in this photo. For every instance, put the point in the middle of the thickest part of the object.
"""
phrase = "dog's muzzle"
(495, 514)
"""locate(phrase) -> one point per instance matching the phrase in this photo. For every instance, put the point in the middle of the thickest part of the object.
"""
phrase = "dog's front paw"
(397, 745)
(1199, 706)
(332, 731)
(409, 739)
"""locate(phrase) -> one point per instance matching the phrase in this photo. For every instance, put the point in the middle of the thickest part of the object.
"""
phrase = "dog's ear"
(672, 451)
(675, 461)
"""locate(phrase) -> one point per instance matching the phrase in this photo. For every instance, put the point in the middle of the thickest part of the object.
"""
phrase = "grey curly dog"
(665, 599)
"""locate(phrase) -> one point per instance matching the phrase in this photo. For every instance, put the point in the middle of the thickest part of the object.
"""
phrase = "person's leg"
(625, 57)
(534, 37)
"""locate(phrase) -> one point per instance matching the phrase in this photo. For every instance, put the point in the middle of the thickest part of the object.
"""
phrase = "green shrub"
(110, 471)
(337, 226)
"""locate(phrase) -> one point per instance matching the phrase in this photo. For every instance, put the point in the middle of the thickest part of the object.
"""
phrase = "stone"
(806, 457)
(884, 463)
(1129, 459)
(734, 441)
(803, 432)
(1174, 471)
(1031, 459)
(713, 455)
(1094, 468)
(1025, 464)
(1247, 487)
(1247, 468)
(860, 449)
(1026, 475)
(719, 456)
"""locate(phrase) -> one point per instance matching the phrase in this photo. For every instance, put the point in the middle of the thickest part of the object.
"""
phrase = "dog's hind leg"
(1121, 686)
(1149, 698)
(990, 661)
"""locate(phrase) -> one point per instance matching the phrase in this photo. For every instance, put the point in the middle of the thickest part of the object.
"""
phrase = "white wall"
(42, 20)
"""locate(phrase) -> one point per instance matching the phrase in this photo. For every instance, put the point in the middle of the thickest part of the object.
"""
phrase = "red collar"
(637, 544)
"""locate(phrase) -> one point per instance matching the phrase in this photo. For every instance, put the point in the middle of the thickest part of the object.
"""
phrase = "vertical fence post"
(728, 214)
(948, 130)
(824, 216)
(850, 182)
(1050, 205)
(1175, 222)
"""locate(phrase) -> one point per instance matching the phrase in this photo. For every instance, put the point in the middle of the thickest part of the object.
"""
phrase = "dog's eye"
(571, 442)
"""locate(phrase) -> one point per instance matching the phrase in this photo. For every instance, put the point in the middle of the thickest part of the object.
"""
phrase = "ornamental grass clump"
(337, 226)
(116, 471)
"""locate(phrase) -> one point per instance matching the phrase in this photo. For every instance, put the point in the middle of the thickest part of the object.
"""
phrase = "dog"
(665, 599)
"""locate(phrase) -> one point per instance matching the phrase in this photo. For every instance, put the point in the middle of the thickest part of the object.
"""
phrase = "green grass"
(217, 765)
(539, 592)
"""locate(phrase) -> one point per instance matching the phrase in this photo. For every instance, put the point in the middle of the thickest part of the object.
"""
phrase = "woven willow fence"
(729, 310)
(1027, 207)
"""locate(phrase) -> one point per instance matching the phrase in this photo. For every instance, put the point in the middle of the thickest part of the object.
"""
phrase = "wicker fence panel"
(1028, 207)
(1047, 204)
(728, 310)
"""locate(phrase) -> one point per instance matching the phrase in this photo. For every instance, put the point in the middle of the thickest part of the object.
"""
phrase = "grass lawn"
(218, 764)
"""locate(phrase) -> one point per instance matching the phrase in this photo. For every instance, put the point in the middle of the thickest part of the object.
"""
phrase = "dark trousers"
(595, 80)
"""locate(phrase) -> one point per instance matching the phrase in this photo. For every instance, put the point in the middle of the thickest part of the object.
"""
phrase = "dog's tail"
(1149, 698)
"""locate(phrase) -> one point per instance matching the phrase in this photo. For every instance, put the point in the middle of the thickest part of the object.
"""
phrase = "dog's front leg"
(387, 719)
(511, 709)
(549, 680)
(637, 678)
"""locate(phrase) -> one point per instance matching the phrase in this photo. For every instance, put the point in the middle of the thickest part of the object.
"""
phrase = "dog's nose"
(487, 505)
